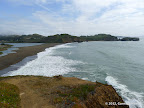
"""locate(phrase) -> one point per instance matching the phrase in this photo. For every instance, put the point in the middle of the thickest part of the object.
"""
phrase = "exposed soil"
(60, 92)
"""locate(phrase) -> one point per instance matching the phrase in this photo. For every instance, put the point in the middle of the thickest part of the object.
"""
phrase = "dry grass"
(62, 92)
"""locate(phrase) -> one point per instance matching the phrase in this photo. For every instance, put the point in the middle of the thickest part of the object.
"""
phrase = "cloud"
(41, 1)
(81, 17)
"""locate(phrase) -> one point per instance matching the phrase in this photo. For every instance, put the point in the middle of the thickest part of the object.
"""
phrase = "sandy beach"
(23, 52)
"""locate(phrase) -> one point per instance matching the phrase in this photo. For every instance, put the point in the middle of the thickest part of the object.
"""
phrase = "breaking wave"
(47, 64)
(132, 98)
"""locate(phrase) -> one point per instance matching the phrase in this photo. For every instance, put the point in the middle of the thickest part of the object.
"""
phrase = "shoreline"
(23, 52)
(4, 47)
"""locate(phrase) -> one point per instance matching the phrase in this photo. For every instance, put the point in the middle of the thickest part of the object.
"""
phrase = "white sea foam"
(47, 64)
(133, 99)
(85, 79)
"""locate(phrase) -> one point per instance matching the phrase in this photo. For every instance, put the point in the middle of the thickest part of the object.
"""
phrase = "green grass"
(9, 96)
(1, 53)
(74, 94)
(80, 92)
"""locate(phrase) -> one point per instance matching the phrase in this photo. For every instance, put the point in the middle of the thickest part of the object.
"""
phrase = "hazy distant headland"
(61, 38)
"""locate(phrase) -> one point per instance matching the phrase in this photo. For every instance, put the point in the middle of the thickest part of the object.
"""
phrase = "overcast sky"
(76, 17)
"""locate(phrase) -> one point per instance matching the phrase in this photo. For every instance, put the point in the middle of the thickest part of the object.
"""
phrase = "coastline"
(23, 52)
(29, 56)
(4, 47)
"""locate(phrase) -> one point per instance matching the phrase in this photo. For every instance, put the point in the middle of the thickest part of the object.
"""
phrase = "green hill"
(61, 38)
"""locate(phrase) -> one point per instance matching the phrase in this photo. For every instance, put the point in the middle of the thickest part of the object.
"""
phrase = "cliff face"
(105, 96)
(62, 92)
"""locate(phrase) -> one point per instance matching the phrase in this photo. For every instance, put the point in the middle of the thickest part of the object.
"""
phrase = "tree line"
(61, 38)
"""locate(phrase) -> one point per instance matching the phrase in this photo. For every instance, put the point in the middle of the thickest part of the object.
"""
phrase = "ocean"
(117, 63)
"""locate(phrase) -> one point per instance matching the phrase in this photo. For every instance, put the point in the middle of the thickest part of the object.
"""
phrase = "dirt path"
(36, 92)
(29, 97)
(63, 92)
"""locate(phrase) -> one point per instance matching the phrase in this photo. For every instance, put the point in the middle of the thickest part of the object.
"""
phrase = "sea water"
(120, 64)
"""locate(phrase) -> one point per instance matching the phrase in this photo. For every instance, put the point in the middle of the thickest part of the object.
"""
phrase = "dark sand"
(23, 52)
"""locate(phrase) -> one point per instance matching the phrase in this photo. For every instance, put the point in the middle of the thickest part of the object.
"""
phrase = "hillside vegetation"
(60, 38)
(57, 92)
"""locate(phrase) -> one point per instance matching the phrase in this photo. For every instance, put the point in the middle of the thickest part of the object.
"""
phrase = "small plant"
(80, 92)
(58, 100)
(73, 95)
(9, 96)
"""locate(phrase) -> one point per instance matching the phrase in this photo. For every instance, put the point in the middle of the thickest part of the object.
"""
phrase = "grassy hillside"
(60, 38)
(56, 92)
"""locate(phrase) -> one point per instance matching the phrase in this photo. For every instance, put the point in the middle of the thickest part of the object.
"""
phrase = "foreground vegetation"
(61, 38)
(56, 92)
(9, 96)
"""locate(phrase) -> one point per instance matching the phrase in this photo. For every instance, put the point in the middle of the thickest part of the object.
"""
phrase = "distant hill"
(61, 38)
